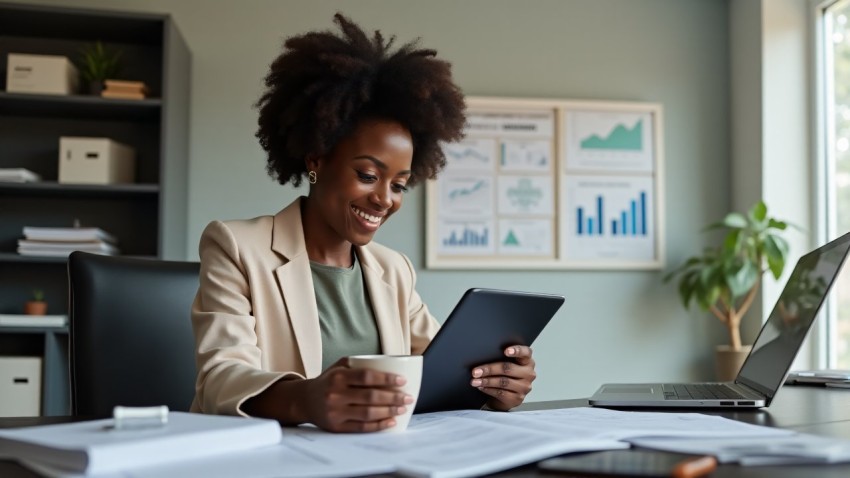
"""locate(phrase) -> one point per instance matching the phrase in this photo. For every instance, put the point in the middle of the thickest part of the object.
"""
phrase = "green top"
(345, 314)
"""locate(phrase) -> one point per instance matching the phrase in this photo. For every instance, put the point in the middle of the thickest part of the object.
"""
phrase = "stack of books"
(62, 241)
(18, 175)
(128, 90)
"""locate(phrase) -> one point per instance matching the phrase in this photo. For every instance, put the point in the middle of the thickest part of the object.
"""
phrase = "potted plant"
(97, 64)
(725, 279)
(36, 305)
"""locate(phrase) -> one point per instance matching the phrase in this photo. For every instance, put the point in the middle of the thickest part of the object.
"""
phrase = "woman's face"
(362, 181)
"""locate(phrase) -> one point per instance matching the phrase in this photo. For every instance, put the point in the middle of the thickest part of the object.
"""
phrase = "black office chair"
(131, 340)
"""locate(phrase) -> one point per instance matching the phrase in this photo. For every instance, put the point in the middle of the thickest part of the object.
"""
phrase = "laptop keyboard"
(698, 391)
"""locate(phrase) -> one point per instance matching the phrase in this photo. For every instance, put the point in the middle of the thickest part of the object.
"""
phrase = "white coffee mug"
(408, 366)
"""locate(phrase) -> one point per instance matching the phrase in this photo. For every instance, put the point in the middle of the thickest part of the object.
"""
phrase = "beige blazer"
(255, 316)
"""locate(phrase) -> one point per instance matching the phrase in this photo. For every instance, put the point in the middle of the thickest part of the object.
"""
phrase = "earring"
(311, 176)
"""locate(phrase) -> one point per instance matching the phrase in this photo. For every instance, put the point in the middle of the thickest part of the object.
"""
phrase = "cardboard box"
(45, 74)
(95, 161)
(20, 386)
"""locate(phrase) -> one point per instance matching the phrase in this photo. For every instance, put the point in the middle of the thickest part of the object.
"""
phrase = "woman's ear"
(312, 162)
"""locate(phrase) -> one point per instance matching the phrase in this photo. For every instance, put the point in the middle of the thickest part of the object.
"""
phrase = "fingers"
(521, 387)
(520, 353)
(364, 377)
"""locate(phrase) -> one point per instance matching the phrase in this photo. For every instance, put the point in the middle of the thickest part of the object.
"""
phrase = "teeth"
(367, 217)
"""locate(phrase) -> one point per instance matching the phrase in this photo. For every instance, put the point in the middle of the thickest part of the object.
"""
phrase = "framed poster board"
(550, 184)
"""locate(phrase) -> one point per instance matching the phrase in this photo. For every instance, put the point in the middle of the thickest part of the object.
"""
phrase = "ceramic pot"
(727, 362)
(35, 307)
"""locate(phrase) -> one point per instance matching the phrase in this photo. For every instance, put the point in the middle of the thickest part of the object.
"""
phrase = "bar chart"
(612, 218)
(628, 221)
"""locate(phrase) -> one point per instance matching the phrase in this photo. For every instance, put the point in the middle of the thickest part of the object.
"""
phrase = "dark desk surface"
(816, 410)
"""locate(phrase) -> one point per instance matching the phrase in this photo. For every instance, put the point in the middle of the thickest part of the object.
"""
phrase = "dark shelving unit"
(148, 217)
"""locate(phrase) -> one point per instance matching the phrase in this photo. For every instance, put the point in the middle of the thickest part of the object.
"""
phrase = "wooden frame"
(550, 184)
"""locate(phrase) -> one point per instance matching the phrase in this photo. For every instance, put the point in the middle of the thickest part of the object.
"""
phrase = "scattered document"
(18, 175)
(452, 444)
(447, 445)
(795, 449)
(15, 320)
(96, 447)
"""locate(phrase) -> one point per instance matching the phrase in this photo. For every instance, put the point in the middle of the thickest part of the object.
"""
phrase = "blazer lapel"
(296, 286)
(383, 298)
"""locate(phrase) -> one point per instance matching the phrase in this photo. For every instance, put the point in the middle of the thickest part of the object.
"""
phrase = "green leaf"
(735, 220)
(758, 212)
(742, 278)
(781, 225)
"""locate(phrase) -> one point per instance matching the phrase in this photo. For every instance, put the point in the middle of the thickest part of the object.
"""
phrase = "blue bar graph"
(467, 238)
(631, 221)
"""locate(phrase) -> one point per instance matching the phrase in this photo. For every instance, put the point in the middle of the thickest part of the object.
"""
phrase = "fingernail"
(476, 382)
(399, 380)
(477, 372)
(408, 399)
(511, 351)
(400, 411)
(390, 423)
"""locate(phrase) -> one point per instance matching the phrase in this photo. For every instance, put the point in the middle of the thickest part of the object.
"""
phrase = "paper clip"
(132, 418)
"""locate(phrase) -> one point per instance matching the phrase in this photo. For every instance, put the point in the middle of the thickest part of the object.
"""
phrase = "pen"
(695, 467)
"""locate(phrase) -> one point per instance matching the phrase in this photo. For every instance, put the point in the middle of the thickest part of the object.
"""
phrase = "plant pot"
(727, 362)
(96, 87)
(35, 307)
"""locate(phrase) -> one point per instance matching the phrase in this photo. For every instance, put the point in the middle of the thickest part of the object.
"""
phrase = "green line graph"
(621, 138)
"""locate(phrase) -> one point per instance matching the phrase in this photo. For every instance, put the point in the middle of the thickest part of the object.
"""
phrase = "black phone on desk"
(643, 463)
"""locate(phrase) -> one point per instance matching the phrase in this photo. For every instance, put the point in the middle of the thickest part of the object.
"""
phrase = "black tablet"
(480, 327)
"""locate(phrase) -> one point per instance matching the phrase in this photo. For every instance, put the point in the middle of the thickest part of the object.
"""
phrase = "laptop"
(482, 324)
(765, 368)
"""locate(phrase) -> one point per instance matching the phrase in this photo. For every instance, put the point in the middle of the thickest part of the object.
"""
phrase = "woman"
(284, 299)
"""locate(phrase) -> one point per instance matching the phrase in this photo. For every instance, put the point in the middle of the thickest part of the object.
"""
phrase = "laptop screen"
(792, 316)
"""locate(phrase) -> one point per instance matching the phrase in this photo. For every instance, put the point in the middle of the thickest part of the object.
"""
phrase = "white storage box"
(46, 74)
(95, 161)
(20, 386)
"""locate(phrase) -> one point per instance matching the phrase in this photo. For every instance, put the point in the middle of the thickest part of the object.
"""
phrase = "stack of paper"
(18, 175)
(96, 447)
(61, 241)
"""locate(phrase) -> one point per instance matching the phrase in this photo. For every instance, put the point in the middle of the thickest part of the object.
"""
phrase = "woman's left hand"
(507, 382)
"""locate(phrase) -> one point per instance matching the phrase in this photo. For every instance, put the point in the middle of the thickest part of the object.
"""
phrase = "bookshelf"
(148, 217)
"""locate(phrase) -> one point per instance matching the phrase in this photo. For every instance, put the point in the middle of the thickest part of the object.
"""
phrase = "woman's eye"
(367, 178)
(400, 188)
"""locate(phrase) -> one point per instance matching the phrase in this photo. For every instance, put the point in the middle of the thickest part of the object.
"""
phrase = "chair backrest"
(131, 340)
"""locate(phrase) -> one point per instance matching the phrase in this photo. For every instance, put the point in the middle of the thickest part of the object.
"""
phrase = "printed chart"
(608, 218)
(609, 141)
(550, 184)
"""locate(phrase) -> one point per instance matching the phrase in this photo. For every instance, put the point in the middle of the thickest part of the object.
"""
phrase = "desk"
(816, 410)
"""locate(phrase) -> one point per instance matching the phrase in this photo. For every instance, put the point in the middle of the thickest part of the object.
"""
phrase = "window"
(834, 78)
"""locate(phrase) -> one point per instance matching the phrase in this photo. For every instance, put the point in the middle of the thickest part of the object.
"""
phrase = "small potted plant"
(97, 64)
(725, 279)
(36, 305)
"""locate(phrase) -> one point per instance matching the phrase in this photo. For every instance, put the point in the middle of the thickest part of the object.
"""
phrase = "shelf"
(4, 329)
(17, 258)
(79, 106)
(50, 188)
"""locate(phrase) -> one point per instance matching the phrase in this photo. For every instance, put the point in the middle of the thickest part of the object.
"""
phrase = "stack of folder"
(62, 241)
(130, 90)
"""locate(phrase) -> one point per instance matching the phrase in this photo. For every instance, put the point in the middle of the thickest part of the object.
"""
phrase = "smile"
(366, 216)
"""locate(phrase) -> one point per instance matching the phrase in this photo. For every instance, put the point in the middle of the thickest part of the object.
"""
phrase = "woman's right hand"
(344, 399)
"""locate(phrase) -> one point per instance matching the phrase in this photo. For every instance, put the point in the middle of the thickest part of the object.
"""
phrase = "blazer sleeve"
(227, 356)
(423, 325)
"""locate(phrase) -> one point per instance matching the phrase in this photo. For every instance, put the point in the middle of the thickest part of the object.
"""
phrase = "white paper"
(448, 445)
(796, 448)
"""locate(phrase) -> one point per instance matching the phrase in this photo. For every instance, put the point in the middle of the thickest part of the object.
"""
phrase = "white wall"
(614, 325)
